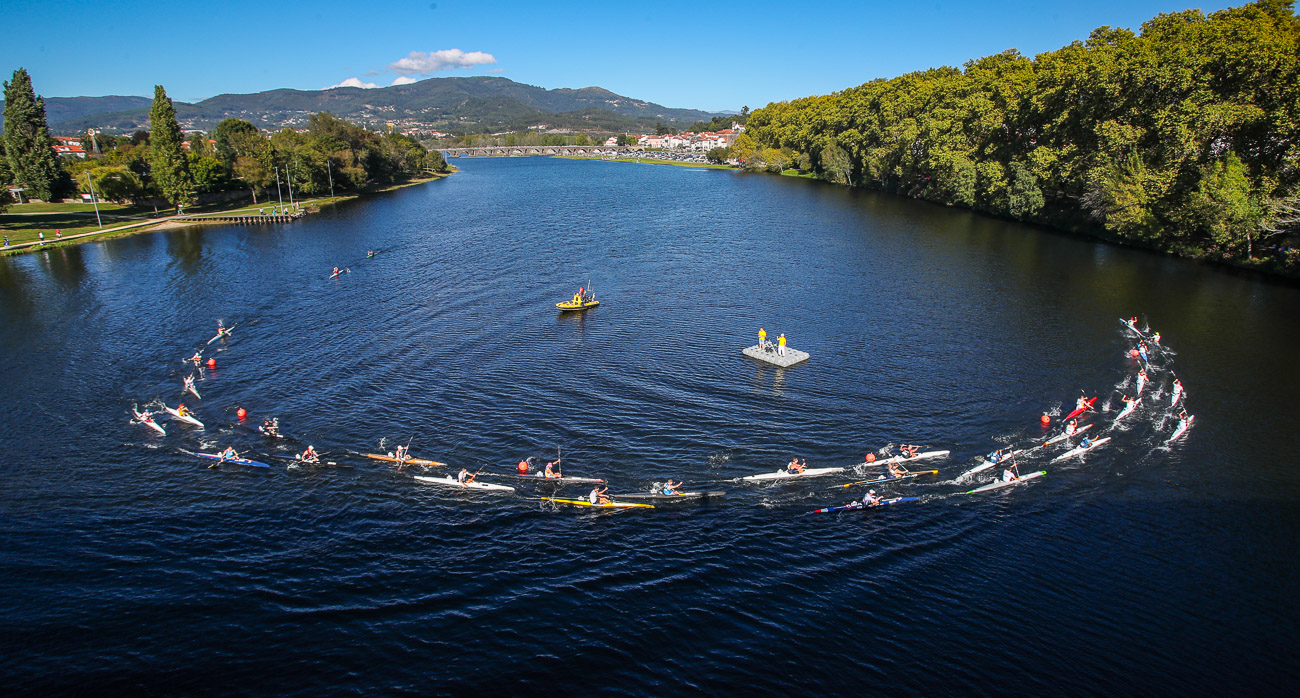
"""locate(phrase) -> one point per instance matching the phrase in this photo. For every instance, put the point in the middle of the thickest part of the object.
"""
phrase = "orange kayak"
(412, 461)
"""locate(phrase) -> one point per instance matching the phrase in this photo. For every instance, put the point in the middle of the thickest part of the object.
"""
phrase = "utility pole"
(277, 189)
(331, 176)
(94, 199)
(288, 168)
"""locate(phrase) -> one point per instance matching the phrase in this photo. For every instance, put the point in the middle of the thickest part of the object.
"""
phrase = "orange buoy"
(871, 458)
(1045, 419)
(212, 363)
(523, 467)
(1133, 353)
(241, 413)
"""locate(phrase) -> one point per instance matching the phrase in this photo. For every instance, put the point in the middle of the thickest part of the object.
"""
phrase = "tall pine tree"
(170, 168)
(27, 139)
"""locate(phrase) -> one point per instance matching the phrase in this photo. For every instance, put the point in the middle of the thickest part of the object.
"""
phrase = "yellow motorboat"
(581, 304)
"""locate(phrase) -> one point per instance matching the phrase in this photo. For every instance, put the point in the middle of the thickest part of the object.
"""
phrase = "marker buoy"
(1133, 353)
(871, 458)
(523, 467)
(241, 413)
(212, 363)
(1045, 420)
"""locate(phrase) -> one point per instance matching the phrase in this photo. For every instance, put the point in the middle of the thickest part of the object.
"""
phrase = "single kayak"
(1087, 405)
(408, 461)
(785, 475)
(887, 478)
(1063, 436)
(1182, 428)
(453, 482)
(541, 477)
(986, 463)
(223, 333)
(1005, 483)
(192, 390)
(236, 461)
(924, 455)
(660, 497)
(859, 505)
(183, 417)
(1078, 450)
(1128, 409)
(148, 421)
(1131, 328)
(610, 505)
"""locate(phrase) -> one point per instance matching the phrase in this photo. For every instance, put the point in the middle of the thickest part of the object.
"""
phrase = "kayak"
(335, 275)
(924, 455)
(1131, 328)
(581, 305)
(887, 478)
(986, 463)
(191, 389)
(1079, 410)
(652, 496)
(540, 477)
(1182, 428)
(1077, 450)
(236, 461)
(859, 505)
(183, 417)
(1141, 383)
(783, 475)
(1128, 409)
(1062, 436)
(148, 422)
(611, 505)
(223, 333)
(1174, 395)
(406, 461)
(1005, 483)
(453, 482)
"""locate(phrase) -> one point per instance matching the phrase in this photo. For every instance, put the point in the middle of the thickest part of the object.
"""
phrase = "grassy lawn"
(25, 228)
(125, 209)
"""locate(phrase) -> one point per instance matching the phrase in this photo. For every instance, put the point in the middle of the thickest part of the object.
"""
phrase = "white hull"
(183, 418)
(452, 482)
(783, 475)
(1001, 483)
(1081, 449)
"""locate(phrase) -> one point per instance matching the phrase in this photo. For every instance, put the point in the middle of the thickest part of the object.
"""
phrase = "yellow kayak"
(580, 305)
(585, 503)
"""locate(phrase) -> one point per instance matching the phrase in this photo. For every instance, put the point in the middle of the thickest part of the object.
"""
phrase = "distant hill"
(479, 103)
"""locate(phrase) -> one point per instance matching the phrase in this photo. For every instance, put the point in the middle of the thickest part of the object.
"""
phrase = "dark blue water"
(128, 566)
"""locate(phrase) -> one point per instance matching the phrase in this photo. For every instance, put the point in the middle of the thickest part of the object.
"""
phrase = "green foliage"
(1184, 136)
(718, 155)
(167, 162)
(28, 147)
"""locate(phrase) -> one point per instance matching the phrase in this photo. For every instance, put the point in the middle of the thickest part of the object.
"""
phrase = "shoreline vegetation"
(1183, 138)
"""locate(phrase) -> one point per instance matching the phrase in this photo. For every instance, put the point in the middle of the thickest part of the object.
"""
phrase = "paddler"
(1141, 380)
(598, 497)
(370, 254)
(1155, 338)
(400, 455)
(795, 467)
(780, 344)
(465, 477)
(1072, 427)
(551, 471)
(229, 454)
(146, 416)
(996, 456)
(1085, 442)
(870, 499)
(762, 338)
(1009, 474)
(897, 470)
(909, 450)
(189, 383)
(197, 358)
(1142, 351)
(310, 455)
(271, 427)
(670, 488)
(1176, 393)
(578, 297)
(1126, 400)
(336, 272)
(183, 410)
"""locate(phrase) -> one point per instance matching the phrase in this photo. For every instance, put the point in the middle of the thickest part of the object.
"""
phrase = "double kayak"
(1006, 483)
(558, 480)
(887, 478)
(453, 482)
(148, 421)
(183, 417)
(659, 497)
(785, 474)
(859, 505)
(405, 461)
(609, 505)
(1087, 405)
(1079, 450)
(236, 461)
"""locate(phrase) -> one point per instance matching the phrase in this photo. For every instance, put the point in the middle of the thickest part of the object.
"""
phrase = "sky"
(710, 56)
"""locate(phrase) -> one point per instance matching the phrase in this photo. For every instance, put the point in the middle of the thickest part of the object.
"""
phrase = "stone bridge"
(508, 151)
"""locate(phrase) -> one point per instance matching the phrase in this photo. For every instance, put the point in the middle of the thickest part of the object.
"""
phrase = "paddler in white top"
(1008, 475)
(189, 383)
(465, 477)
(598, 498)
(310, 455)
(896, 470)
(1176, 393)
(147, 416)
(870, 499)
(400, 455)
(1141, 380)
(1072, 427)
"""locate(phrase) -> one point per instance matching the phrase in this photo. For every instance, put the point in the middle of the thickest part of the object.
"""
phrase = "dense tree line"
(164, 162)
(1184, 137)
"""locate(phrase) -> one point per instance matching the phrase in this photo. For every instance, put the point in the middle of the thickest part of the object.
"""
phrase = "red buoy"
(523, 467)
(212, 363)
(871, 458)
(1133, 353)
(1045, 419)
(241, 413)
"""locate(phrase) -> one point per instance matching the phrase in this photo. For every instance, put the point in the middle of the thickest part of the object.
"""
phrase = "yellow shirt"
(762, 335)
(781, 340)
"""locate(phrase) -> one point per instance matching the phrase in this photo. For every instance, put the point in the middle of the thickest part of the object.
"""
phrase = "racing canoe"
(236, 461)
(183, 417)
(1079, 410)
(886, 478)
(611, 505)
(656, 497)
(859, 505)
(1001, 483)
(453, 482)
(405, 461)
(1079, 450)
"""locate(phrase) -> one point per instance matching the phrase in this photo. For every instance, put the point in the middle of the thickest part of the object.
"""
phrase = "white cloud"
(354, 82)
(403, 80)
(420, 63)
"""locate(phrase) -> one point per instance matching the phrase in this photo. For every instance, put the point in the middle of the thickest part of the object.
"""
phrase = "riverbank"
(25, 226)
(648, 161)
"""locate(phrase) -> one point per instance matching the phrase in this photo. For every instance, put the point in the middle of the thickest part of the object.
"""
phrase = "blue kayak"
(236, 461)
(859, 505)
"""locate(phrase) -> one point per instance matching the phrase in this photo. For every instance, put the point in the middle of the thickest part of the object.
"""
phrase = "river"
(1144, 567)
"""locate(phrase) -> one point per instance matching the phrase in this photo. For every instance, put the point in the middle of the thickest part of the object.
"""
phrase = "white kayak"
(1128, 409)
(140, 418)
(1183, 426)
(1007, 483)
(986, 464)
(924, 455)
(453, 482)
(193, 390)
(1174, 395)
(1062, 436)
(183, 417)
(1078, 450)
(785, 474)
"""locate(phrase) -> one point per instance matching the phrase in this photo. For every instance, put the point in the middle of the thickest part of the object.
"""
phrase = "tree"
(5, 178)
(27, 140)
(167, 161)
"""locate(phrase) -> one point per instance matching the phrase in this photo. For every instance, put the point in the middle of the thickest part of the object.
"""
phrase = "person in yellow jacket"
(780, 343)
(762, 338)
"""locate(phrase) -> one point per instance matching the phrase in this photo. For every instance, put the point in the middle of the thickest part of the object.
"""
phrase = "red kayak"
(1079, 410)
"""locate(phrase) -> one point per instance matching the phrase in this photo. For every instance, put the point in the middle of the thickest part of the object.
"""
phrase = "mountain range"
(465, 104)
